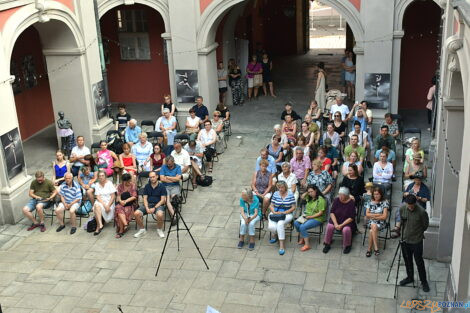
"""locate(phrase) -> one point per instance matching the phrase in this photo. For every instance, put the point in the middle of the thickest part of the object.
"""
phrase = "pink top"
(253, 68)
(299, 168)
(104, 156)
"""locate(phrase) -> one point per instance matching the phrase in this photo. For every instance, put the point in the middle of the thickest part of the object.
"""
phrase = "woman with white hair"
(282, 208)
(342, 218)
(286, 148)
(142, 151)
(249, 216)
(167, 125)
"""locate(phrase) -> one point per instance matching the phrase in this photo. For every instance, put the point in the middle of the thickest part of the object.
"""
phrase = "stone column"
(396, 63)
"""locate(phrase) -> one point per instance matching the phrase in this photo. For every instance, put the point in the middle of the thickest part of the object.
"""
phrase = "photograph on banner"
(100, 99)
(377, 90)
(187, 86)
(13, 152)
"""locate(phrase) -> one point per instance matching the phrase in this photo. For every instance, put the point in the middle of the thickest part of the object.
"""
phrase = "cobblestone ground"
(57, 272)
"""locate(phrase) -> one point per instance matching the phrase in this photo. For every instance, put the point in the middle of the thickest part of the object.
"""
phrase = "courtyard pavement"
(82, 273)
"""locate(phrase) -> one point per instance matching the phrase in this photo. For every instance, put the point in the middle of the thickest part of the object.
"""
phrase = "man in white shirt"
(77, 155)
(182, 159)
(341, 108)
(362, 136)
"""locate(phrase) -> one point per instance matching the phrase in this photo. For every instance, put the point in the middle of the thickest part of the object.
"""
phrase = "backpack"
(115, 143)
(204, 181)
(91, 225)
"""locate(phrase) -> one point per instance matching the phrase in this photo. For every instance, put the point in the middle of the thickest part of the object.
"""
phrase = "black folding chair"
(113, 132)
(182, 138)
(381, 234)
(155, 137)
(406, 139)
(147, 124)
(316, 231)
(95, 147)
(141, 177)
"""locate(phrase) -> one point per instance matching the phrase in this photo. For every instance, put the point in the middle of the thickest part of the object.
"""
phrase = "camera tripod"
(398, 252)
(176, 207)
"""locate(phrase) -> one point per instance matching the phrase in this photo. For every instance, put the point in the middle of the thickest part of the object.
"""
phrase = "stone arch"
(214, 13)
(400, 10)
(157, 5)
(67, 31)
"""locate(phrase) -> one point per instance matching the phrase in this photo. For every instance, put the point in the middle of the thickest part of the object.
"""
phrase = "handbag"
(258, 80)
(301, 219)
(277, 217)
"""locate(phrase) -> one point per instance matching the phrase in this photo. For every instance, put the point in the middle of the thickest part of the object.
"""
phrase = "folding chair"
(146, 124)
(51, 208)
(141, 177)
(316, 231)
(385, 236)
(95, 147)
(406, 142)
(155, 137)
(113, 132)
(182, 138)
(140, 195)
(227, 129)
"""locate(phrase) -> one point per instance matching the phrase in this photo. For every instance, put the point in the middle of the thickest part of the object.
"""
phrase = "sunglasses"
(337, 115)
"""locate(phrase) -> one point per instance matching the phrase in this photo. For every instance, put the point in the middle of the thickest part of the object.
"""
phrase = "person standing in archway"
(222, 79)
(430, 97)
(320, 91)
(350, 75)
(254, 75)
(267, 65)
(235, 81)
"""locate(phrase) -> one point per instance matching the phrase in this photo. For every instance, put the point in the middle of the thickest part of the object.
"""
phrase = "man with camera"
(415, 221)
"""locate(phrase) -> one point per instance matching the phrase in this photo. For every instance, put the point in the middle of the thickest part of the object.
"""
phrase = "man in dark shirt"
(385, 139)
(292, 113)
(201, 110)
(122, 119)
(154, 203)
(415, 221)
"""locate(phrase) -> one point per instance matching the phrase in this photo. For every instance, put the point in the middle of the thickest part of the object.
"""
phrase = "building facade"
(71, 56)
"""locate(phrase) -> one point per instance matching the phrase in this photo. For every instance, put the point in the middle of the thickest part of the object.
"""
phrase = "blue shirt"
(332, 153)
(154, 195)
(132, 134)
(271, 167)
(201, 111)
(391, 155)
(282, 204)
(165, 171)
(363, 122)
(72, 193)
(253, 206)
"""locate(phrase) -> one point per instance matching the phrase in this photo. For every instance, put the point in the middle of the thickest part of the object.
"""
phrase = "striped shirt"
(282, 204)
(71, 193)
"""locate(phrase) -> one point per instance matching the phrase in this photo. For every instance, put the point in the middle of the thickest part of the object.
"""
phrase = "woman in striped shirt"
(282, 208)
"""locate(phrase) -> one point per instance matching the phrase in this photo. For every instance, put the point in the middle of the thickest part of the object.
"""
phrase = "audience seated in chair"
(362, 135)
(411, 152)
(332, 153)
(192, 125)
(128, 161)
(218, 126)
(354, 146)
(70, 200)
(249, 216)
(289, 128)
(208, 137)
(126, 203)
(342, 219)
(167, 125)
(385, 139)
(154, 195)
(42, 192)
(275, 150)
(377, 211)
(289, 178)
(353, 159)
(314, 129)
(282, 208)
(300, 166)
(142, 151)
(313, 216)
(182, 159)
(322, 179)
(170, 176)
(354, 182)
(157, 158)
(261, 184)
(87, 177)
(132, 132)
(103, 208)
(332, 135)
(393, 129)
(196, 153)
(60, 166)
(264, 155)
(415, 169)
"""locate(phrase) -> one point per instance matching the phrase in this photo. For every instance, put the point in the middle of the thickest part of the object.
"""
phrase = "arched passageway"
(419, 53)
(135, 54)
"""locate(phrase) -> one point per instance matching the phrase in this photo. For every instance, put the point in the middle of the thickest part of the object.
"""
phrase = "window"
(133, 35)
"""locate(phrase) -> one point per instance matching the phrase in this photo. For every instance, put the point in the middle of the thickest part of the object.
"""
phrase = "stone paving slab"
(57, 272)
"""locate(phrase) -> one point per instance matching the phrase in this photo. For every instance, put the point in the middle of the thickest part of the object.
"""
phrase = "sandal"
(96, 233)
(126, 228)
(119, 235)
(376, 252)
(368, 253)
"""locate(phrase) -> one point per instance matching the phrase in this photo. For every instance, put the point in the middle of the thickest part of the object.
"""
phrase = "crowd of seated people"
(314, 175)
(107, 183)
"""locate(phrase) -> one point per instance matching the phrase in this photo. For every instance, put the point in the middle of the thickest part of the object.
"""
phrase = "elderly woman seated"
(192, 125)
(262, 183)
(289, 178)
(249, 216)
(415, 168)
(275, 150)
(142, 151)
(376, 212)
(218, 126)
(342, 217)
(282, 208)
(321, 179)
(313, 215)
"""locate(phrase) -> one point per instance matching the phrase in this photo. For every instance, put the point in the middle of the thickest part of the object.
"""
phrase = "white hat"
(344, 191)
